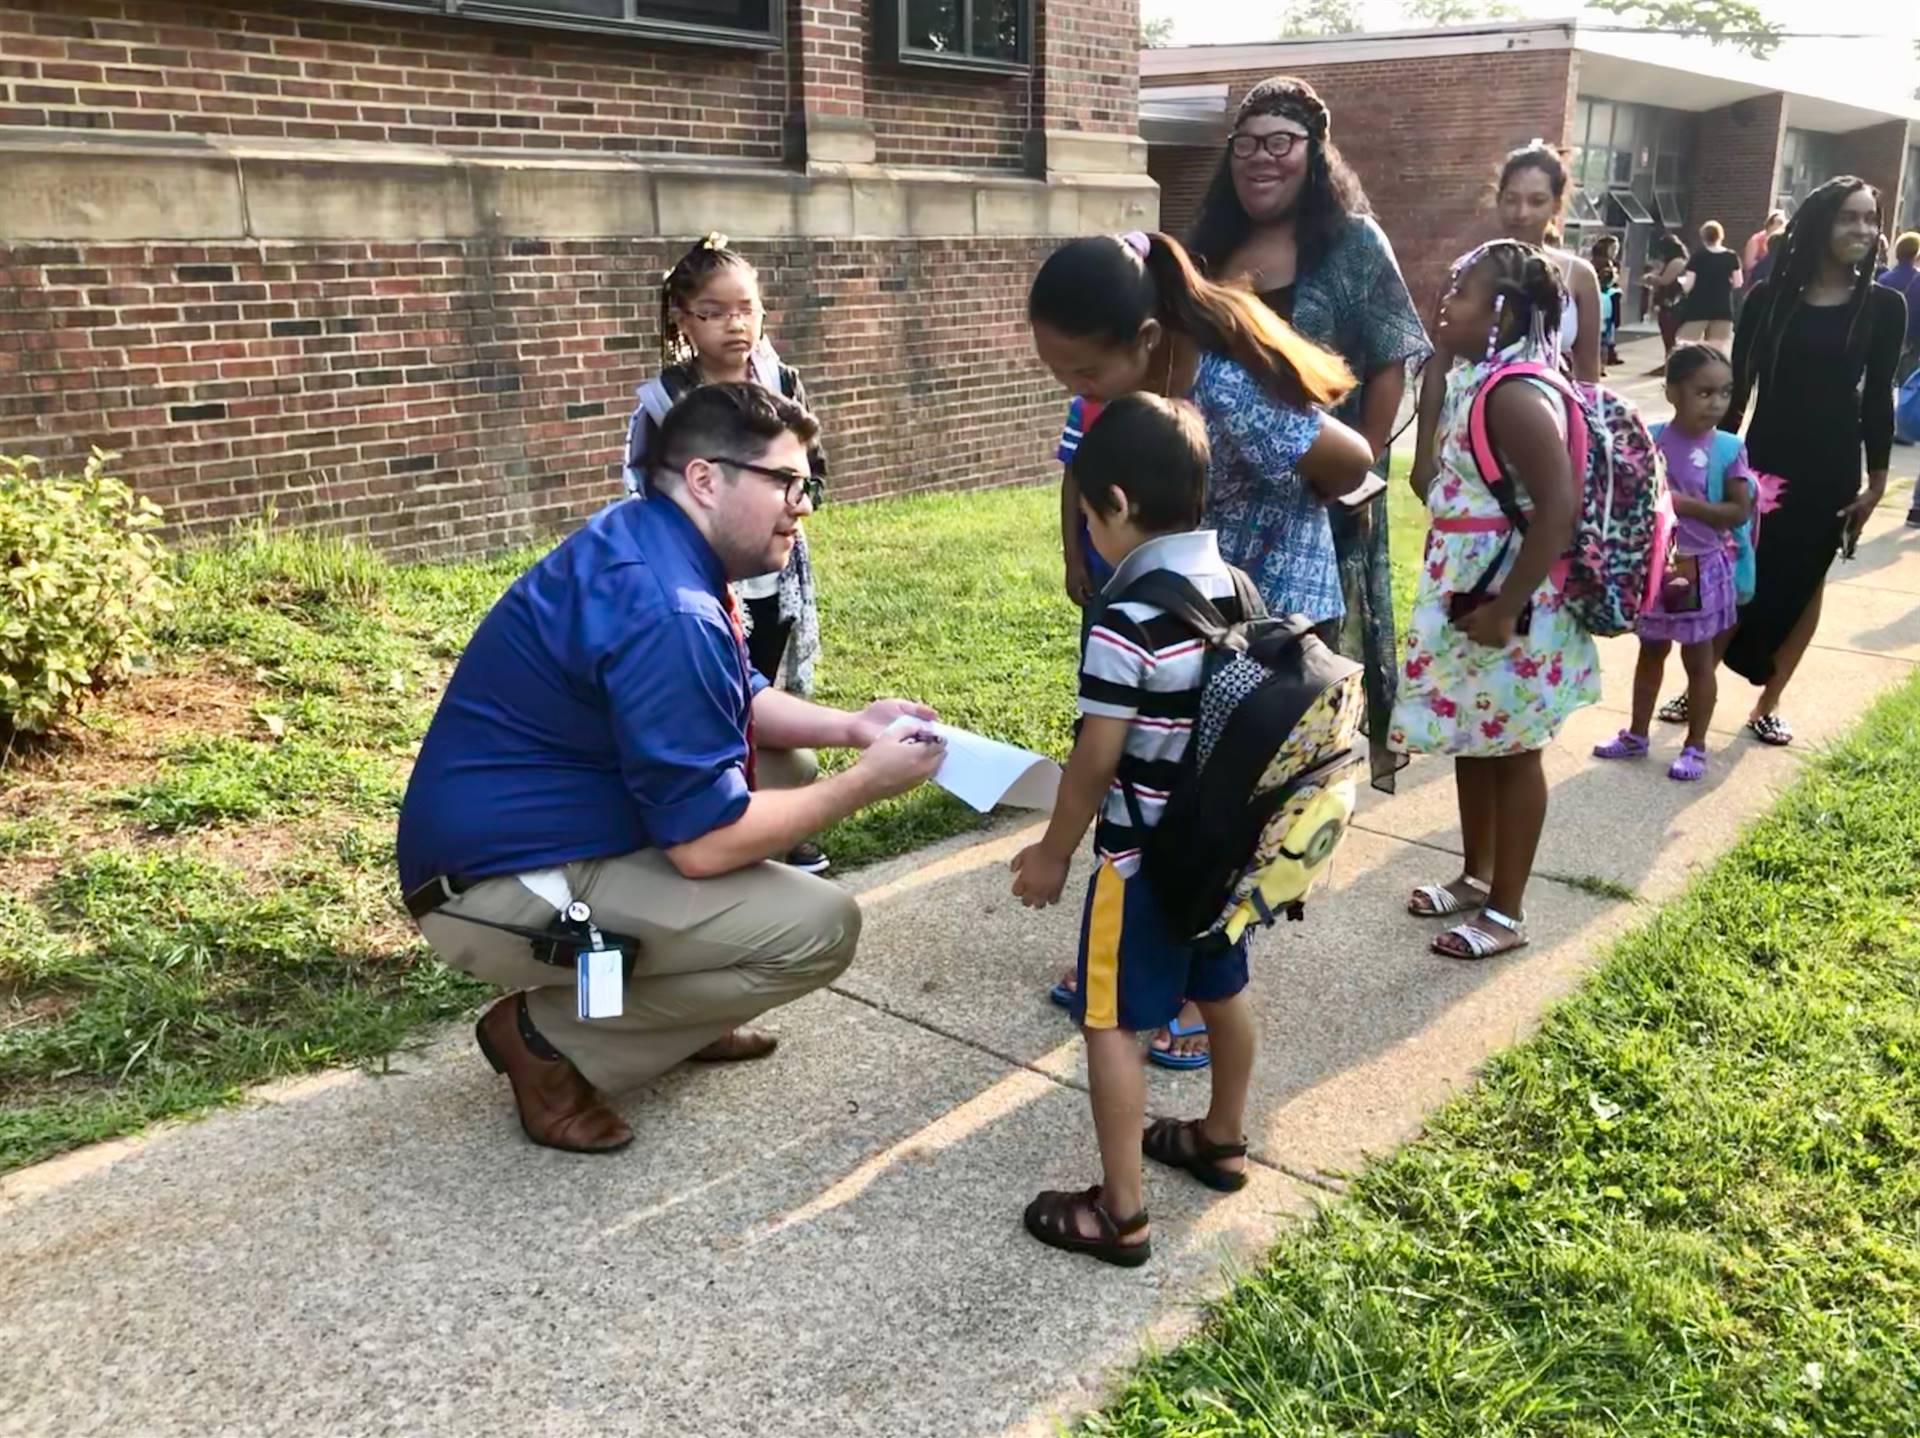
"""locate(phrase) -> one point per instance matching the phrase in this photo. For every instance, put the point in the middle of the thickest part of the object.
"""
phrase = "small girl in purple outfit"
(1697, 607)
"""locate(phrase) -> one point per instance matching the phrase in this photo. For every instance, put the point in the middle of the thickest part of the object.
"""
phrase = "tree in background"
(1156, 34)
(1725, 22)
(1321, 17)
(1457, 12)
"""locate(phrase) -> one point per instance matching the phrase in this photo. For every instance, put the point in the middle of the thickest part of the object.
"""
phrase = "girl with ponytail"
(1494, 661)
(1113, 316)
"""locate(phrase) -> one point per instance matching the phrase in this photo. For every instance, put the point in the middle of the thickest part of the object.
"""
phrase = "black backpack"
(1268, 782)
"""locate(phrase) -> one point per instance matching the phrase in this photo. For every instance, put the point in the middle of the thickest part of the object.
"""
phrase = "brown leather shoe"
(558, 1107)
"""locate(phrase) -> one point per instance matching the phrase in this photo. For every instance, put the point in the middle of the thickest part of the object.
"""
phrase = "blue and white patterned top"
(1270, 522)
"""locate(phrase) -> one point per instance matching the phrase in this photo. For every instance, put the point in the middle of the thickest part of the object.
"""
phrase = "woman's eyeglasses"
(798, 486)
(1277, 143)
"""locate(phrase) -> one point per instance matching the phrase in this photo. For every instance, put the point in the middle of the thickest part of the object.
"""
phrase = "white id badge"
(600, 985)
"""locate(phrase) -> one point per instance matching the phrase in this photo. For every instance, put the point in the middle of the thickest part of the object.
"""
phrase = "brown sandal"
(1179, 1143)
(1054, 1219)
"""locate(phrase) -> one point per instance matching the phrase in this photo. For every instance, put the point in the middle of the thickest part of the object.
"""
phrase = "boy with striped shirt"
(1141, 472)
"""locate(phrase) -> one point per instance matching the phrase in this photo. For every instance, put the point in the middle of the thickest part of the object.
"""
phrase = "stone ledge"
(206, 189)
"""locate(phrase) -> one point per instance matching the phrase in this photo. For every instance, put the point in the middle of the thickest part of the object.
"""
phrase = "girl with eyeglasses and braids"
(713, 331)
(1814, 352)
(1494, 662)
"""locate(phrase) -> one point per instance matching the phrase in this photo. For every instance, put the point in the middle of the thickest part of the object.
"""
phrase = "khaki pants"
(712, 953)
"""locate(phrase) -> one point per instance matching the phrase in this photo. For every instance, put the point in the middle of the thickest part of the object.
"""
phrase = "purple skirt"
(1718, 610)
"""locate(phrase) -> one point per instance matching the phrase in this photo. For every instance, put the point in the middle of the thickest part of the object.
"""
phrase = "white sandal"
(1442, 901)
(1479, 942)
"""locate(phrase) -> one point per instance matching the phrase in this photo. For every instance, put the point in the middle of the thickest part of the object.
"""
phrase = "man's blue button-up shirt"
(601, 707)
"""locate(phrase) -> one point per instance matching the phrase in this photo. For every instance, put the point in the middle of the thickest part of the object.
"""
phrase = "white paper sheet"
(984, 772)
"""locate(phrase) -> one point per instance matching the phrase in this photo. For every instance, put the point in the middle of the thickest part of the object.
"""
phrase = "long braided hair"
(1331, 193)
(1529, 295)
(682, 285)
(1808, 236)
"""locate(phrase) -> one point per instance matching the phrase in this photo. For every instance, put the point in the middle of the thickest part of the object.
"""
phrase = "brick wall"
(928, 118)
(1426, 136)
(1878, 155)
(329, 72)
(1735, 165)
(457, 396)
(1090, 53)
(1183, 173)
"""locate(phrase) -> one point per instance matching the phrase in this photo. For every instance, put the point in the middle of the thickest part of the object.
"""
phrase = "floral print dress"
(1465, 699)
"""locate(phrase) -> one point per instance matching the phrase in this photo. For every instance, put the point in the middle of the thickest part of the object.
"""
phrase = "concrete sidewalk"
(830, 1242)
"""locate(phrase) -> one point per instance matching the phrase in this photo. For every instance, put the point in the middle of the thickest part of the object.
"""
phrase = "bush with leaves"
(80, 582)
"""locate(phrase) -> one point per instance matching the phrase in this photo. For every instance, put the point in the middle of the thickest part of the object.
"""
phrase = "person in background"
(1765, 267)
(1814, 355)
(1756, 244)
(1287, 216)
(1662, 280)
(1711, 276)
(1604, 256)
(1903, 277)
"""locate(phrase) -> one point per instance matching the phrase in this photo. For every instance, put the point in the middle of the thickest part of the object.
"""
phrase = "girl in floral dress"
(1494, 662)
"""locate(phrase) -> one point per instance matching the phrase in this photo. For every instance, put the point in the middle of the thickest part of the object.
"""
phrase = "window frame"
(517, 12)
(891, 30)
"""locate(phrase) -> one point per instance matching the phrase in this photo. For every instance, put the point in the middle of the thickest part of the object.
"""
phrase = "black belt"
(431, 895)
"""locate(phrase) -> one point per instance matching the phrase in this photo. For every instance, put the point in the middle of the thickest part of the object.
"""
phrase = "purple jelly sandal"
(1690, 766)
(1624, 745)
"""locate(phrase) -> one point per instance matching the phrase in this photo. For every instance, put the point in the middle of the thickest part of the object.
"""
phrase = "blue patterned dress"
(1270, 521)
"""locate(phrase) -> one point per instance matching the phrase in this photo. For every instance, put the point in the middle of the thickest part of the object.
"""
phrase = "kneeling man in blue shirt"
(604, 741)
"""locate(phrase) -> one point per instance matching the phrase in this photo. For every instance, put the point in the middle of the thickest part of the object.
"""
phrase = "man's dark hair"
(738, 420)
(1152, 450)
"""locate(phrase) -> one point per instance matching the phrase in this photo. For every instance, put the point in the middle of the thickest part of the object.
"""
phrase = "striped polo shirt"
(1146, 667)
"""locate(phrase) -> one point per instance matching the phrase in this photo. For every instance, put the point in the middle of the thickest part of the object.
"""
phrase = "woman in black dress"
(1706, 314)
(1809, 336)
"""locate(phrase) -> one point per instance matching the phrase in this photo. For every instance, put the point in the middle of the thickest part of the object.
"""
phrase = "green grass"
(1689, 1206)
(224, 914)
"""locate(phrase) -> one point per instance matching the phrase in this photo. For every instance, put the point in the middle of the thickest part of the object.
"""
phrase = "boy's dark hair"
(684, 282)
(737, 421)
(1152, 450)
(1689, 359)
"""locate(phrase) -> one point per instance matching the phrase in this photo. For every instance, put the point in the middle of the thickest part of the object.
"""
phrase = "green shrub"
(79, 584)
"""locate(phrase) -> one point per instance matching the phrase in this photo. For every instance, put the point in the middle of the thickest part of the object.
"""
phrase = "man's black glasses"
(1278, 143)
(798, 486)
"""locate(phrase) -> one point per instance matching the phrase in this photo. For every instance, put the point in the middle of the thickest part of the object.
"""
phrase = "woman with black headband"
(1286, 215)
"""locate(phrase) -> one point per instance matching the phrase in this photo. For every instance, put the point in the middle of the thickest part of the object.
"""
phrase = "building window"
(1806, 162)
(751, 24)
(990, 36)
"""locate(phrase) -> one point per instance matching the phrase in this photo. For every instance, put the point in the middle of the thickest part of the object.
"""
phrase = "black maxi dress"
(1816, 409)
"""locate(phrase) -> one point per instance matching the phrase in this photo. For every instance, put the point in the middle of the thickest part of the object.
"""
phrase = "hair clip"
(714, 241)
(1493, 334)
(1137, 241)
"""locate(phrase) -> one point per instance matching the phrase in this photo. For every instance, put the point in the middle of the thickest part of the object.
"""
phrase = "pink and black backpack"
(1625, 525)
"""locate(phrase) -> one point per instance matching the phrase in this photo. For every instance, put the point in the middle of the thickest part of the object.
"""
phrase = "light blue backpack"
(1726, 449)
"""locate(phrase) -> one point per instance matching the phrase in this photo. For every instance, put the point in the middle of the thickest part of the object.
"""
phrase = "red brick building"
(393, 265)
(1662, 135)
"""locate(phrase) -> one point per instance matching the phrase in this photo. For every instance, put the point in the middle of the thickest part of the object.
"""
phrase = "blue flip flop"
(1167, 1059)
(1061, 995)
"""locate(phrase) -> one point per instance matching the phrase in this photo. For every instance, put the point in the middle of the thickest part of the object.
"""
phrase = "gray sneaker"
(808, 859)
